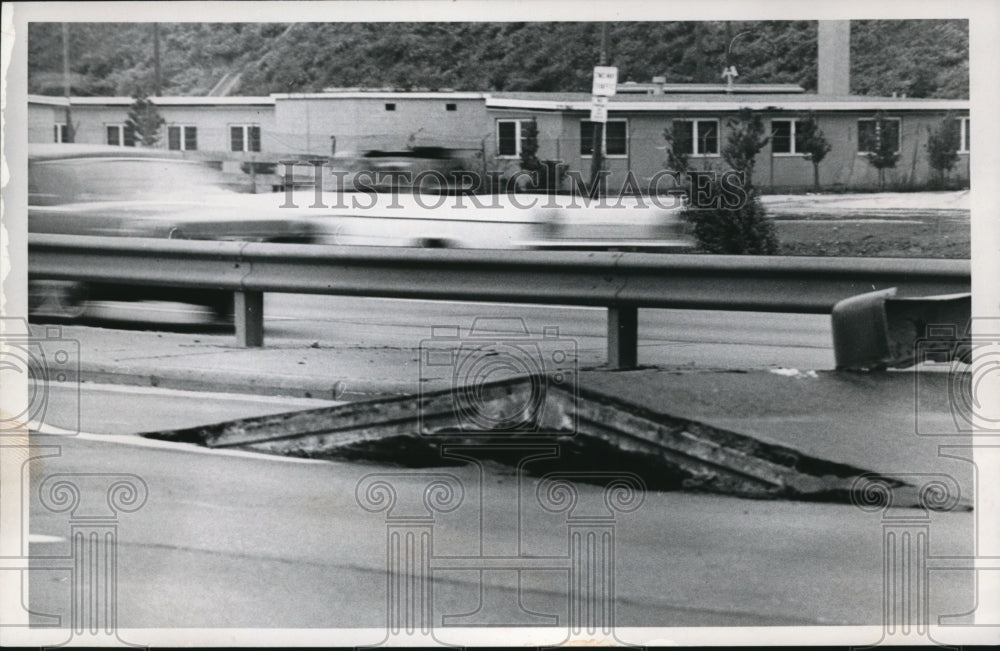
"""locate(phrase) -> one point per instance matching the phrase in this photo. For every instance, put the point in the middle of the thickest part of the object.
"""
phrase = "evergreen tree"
(545, 174)
(812, 143)
(747, 136)
(883, 151)
(144, 120)
(677, 137)
(529, 146)
(719, 227)
(942, 146)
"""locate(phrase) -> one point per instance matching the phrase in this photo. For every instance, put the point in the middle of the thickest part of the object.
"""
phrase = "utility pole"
(156, 59)
(597, 142)
(66, 82)
(699, 49)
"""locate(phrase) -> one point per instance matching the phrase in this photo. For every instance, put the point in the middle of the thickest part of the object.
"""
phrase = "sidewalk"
(886, 205)
(362, 364)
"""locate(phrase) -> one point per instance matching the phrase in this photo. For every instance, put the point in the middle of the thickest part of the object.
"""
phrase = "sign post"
(605, 85)
(599, 109)
(605, 80)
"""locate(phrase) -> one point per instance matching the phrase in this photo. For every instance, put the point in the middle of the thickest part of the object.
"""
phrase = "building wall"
(41, 121)
(554, 142)
(213, 125)
(843, 167)
(212, 122)
(306, 125)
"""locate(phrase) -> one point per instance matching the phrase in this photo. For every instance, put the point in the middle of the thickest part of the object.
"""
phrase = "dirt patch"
(936, 238)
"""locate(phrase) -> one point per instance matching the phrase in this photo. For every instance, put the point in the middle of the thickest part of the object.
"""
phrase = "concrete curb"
(222, 381)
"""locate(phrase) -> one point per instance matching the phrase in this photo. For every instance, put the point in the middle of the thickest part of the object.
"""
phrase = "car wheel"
(57, 298)
(223, 309)
(436, 243)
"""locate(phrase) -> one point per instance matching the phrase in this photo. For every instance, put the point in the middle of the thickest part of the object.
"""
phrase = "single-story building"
(636, 142)
(487, 128)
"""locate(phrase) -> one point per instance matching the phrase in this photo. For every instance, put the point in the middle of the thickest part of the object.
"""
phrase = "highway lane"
(235, 539)
(121, 409)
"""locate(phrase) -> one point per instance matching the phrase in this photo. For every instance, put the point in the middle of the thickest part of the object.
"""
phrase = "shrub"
(942, 147)
(746, 230)
(812, 143)
(720, 227)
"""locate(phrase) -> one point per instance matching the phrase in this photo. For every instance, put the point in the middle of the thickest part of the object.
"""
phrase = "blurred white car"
(80, 190)
(516, 221)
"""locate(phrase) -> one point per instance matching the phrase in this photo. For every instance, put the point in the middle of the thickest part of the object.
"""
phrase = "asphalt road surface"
(234, 539)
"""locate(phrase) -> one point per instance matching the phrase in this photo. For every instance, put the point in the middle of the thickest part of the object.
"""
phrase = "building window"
(59, 133)
(785, 138)
(245, 137)
(182, 138)
(120, 135)
(391, 106)
(698, 137)
(869, 134)
(510, 137)
(963, 138)
(615, 139)
(451, 107)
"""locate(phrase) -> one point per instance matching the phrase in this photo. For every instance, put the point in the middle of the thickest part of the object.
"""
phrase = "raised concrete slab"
(892, 423)
(751, 434)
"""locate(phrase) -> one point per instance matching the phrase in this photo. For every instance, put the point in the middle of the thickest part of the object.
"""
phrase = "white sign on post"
(599, 109)
(605, 80)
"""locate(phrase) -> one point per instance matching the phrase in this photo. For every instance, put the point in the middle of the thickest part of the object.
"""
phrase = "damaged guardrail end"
(879, 330)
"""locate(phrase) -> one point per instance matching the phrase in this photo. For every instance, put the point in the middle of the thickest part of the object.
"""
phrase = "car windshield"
(417, 152)
(119, 179)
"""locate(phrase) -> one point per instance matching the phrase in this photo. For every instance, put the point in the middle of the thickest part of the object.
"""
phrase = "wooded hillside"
(922, 58)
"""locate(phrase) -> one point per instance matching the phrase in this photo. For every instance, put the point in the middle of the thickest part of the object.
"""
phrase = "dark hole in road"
(573, 455)
(585, 432)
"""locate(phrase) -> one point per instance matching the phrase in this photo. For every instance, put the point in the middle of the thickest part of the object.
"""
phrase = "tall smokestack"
(833, 75)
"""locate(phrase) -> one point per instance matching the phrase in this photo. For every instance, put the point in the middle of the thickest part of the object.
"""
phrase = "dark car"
(126, 192)
(430, 168)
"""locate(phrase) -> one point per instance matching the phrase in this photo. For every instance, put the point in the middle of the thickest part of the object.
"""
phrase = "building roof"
(632, 87)
(685, 102)
(48, 99)
(199, 100)
(358, 93)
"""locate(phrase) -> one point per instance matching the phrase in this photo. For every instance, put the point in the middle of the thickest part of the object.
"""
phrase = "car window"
(119, 179)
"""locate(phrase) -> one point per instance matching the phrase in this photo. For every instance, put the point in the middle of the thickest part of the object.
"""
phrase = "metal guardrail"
(621, 282)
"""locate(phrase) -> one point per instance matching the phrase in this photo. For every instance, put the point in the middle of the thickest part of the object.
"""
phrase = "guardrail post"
(249, 315)
(623, 337)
